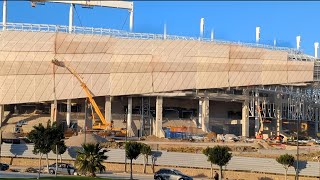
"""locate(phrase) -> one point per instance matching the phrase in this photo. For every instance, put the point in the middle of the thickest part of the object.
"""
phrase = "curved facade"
(117, 66)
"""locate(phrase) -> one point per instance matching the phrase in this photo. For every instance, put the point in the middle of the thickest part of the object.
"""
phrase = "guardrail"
(130, 35)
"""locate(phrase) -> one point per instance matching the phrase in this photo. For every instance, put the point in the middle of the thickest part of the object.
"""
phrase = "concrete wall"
(113, 66)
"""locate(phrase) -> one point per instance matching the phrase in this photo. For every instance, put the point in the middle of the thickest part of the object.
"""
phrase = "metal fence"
(130, 35)
(262, 165)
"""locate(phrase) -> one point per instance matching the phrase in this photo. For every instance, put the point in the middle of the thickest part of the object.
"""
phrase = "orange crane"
(98, 125)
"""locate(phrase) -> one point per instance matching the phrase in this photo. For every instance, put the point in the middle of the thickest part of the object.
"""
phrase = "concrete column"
(107, 109)
(316, 121)
(159, 130)
(129, 118)
(279, 113)
(205, 114)
(245, 118)
(68, 118)
(54, 112)
(200, 112)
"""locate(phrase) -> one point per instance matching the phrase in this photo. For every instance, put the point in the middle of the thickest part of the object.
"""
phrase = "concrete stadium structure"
(140, 70)
(156, 81)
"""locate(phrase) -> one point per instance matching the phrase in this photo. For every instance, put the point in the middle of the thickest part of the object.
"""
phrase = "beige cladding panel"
(26, 41)
(273, 77)
(244, 78)
(211, 80)
(130, 83)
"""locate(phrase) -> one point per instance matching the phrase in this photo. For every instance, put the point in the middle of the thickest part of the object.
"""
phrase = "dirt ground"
(199, 173)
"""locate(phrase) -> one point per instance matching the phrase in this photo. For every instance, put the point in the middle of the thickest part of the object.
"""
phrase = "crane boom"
(105, 124)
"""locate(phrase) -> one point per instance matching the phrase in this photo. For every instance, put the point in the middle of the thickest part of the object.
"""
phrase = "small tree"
(133, 150)
(145, 151)
(218, 155)
(58, 147)
(89, 159)
(286, 160)
(40, 136)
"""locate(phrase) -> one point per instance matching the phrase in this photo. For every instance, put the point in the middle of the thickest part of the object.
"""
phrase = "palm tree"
(89, 159)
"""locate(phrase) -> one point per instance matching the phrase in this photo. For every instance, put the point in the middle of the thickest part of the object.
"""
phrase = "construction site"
(125, 84)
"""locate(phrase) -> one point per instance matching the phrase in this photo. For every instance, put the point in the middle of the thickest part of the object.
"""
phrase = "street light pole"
(125, 152)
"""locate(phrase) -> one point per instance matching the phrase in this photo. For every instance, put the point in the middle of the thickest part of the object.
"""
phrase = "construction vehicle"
(101, 124)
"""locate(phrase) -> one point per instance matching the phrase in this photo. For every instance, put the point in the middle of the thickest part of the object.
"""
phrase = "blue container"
(167, 133)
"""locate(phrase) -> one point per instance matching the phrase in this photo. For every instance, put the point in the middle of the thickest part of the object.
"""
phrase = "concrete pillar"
(54, 112)
(279, 113)
(68, 118)
(159, 130)
(200, 112)
(107, 109)
(316, 121)
(245, 118)
(205, 114)
(129, 118)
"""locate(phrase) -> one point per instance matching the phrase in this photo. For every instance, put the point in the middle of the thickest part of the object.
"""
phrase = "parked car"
(171, 174)
(4, 167)
(21, 123)
(63, 168)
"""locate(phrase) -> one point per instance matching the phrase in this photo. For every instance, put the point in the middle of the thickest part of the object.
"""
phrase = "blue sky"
(235, 21)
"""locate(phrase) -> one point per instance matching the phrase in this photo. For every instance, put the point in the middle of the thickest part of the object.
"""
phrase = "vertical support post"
(131, 19)
(245, 117)
(68, 112)
(129, 117)
(200, 112)
(279, 113)
(201, 27)
(4, 15)
(107, 109)
(212, 35)
(316, 121)
(205, 114)
(1, 119)
(71, 17)
(256, 116)
(159, 104)
(298, 39)
(54, 112)
(316, 47)
(257, 34)
(165, 32)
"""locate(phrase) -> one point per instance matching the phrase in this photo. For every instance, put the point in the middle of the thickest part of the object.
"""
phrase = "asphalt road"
(5, 174)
